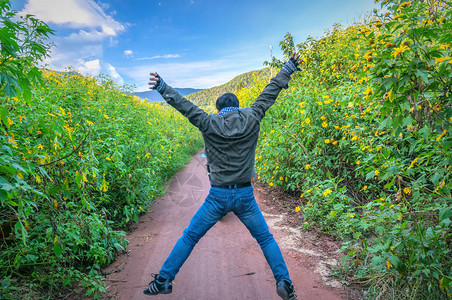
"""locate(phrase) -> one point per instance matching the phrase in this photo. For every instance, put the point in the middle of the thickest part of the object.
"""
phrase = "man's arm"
(268, 96)
(195, 115)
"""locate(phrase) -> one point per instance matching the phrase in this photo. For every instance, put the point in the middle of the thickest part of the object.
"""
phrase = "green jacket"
(230, 140)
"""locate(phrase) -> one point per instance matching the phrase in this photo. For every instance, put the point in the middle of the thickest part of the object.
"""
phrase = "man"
(230, 139)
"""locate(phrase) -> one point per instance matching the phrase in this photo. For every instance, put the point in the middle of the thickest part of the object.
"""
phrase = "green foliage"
(363, 136)
(78, 160)
(206, 98)
(22, 45)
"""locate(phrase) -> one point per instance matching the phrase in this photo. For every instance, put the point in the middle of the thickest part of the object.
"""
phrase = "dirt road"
(227, 263)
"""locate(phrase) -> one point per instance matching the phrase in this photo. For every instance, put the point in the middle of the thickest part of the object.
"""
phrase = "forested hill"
(153, 96)
(207, 97)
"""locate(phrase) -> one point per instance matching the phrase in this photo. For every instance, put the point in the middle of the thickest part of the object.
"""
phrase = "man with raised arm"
(230, 138)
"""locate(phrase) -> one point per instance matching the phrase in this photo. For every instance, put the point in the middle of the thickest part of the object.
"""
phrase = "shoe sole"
(162, 292)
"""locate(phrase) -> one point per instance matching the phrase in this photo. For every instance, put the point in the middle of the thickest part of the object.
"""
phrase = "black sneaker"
(159, 285)
(285, 290)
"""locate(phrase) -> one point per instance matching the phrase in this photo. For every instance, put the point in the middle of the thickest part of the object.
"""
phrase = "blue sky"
(190, 43)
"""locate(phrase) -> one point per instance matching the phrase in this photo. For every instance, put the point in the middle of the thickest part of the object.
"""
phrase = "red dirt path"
(227, 263)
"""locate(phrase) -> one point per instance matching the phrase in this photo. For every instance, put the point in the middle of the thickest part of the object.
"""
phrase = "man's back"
(230, 140)
(230, 143)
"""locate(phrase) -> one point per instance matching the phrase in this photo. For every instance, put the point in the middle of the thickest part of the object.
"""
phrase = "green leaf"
(4, 117)
(389, 185)
(425, 131)
(57, 249)
(377, 261)
(369, 175)
(424, 75)
(408, 121)
(393, 170)
(3, 196)
(445, 213)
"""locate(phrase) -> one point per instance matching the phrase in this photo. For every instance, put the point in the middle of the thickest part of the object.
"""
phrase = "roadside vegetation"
(363, 136)
(80, 158)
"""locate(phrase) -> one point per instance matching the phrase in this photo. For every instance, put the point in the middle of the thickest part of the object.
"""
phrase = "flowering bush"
(79, 158)
(363, 135)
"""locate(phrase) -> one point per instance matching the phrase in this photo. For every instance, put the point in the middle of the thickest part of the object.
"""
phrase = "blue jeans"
(218, 203)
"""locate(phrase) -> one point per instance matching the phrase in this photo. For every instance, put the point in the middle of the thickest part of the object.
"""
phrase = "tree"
(22, 41)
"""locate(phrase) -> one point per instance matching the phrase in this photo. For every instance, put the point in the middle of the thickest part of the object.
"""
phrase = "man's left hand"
(156, 83)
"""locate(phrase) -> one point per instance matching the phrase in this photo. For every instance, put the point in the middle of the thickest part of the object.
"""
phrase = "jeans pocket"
(244, 202)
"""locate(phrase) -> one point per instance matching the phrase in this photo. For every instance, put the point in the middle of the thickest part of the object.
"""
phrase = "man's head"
(227, 100)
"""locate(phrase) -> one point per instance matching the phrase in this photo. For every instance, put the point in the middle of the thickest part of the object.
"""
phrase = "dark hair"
(227, 100)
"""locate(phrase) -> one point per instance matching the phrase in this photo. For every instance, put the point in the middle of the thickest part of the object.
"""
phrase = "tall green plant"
(23, 45)
(363, 136)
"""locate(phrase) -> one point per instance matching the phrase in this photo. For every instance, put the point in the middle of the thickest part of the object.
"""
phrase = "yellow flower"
(89, 122)
(322, 118)
(327, 192)
(281, 178)
(441, 135)
(308, 191)
(364, 188)
(413, 162)
(368, 56)
(324, 124)
(307, 121)
(399, 50)
(106, 117)
(307, 167)
(377, 172)
(388, 264)
(55, 203)
(358, 162)
(327, 141)
(10, 122)
(368, 92)
(297, 209)
(407, 190)
(270, 184)
(335, 143)
(40, 147)
(108, 158)
(405, 4)
(63, 112)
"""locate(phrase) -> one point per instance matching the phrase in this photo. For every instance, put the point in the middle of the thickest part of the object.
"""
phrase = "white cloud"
(160, 56)
(114, 74)
(91, 67)
(128, 53)
(89, 27)
(74, 14)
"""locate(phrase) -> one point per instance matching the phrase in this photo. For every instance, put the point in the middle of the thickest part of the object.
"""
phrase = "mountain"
(153, 96)
(206, 97)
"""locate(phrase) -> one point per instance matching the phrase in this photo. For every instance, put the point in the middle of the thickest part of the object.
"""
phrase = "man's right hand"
(291, 66)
